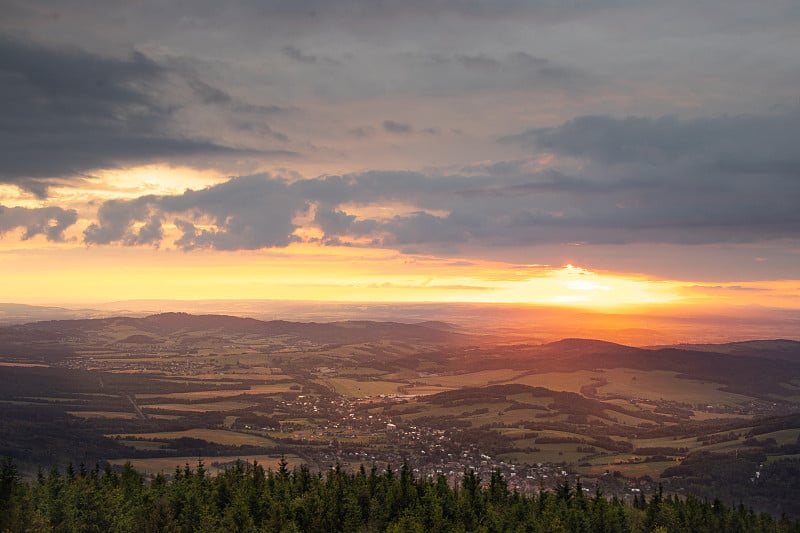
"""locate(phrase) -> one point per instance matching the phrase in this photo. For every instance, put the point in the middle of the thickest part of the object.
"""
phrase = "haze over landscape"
(554, 245)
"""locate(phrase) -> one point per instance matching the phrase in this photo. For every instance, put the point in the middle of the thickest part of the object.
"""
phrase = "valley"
(170, 389)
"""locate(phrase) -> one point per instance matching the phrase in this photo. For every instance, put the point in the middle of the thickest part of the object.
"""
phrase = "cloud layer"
(665, 180)
(65, 112)
(48, 221)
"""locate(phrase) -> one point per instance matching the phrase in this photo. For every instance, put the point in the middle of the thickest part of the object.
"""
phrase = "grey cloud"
(726, 141)
(392, 126)
(292, 52)
(239, 114)
(38, 188)
(314, 12)
(114, 223)
(300, 56)
(350, 48)
(361, 132)
(210, 94)
(250, 212)
(630, 44)
(731, 178)
(528, 60)
(64, 112)
(336, 223)
(663, 181)
(517, 60)
(424, 228)
(481, 62)
(49, 221)
(480, 72)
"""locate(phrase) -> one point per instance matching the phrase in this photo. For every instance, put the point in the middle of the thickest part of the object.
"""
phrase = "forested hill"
(155, 328)
(247, 498)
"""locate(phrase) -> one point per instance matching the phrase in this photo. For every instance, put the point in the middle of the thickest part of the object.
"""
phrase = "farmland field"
(561, 381)
(471, 379)
(217, 436)
(262, 389)
(102, 414)
(657, 385)
(652, 469)
(197, 407)
(357, 389)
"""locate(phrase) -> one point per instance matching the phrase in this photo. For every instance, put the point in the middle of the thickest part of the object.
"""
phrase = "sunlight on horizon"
(313, 273)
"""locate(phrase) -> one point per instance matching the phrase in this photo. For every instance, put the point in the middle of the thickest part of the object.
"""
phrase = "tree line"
(248, 498)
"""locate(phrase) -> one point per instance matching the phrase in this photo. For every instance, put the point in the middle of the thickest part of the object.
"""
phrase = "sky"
(593, 154)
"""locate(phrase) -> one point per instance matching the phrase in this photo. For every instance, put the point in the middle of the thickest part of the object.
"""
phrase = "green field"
(149, 445)
(658, 384)
(217, 436)
(423, 390)
(262, 389)
(652, 469)
(561, 381)
(198, 407)
(360, 389)
(549, 453)
(103, 414)
(471, 379)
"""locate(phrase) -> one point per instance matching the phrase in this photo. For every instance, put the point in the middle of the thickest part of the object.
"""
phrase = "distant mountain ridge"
(183, 323)
(771, 349)
(755, 367)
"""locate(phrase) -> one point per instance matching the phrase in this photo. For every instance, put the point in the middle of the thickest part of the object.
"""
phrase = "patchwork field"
(198, 407)
(217, 436)
(103, 414)
(358, 389)
(254, 390)
(471, 379)
(652, 469)
(660, 385)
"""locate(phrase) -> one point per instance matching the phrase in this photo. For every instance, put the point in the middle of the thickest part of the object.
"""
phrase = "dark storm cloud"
(64, 112)
(664, 180)
(48, 221)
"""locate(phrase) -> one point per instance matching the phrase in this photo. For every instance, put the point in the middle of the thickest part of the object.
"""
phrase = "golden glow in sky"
(68, 273)
(35, 270)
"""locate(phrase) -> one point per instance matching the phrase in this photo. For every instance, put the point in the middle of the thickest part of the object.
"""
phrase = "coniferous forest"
(249, 498)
